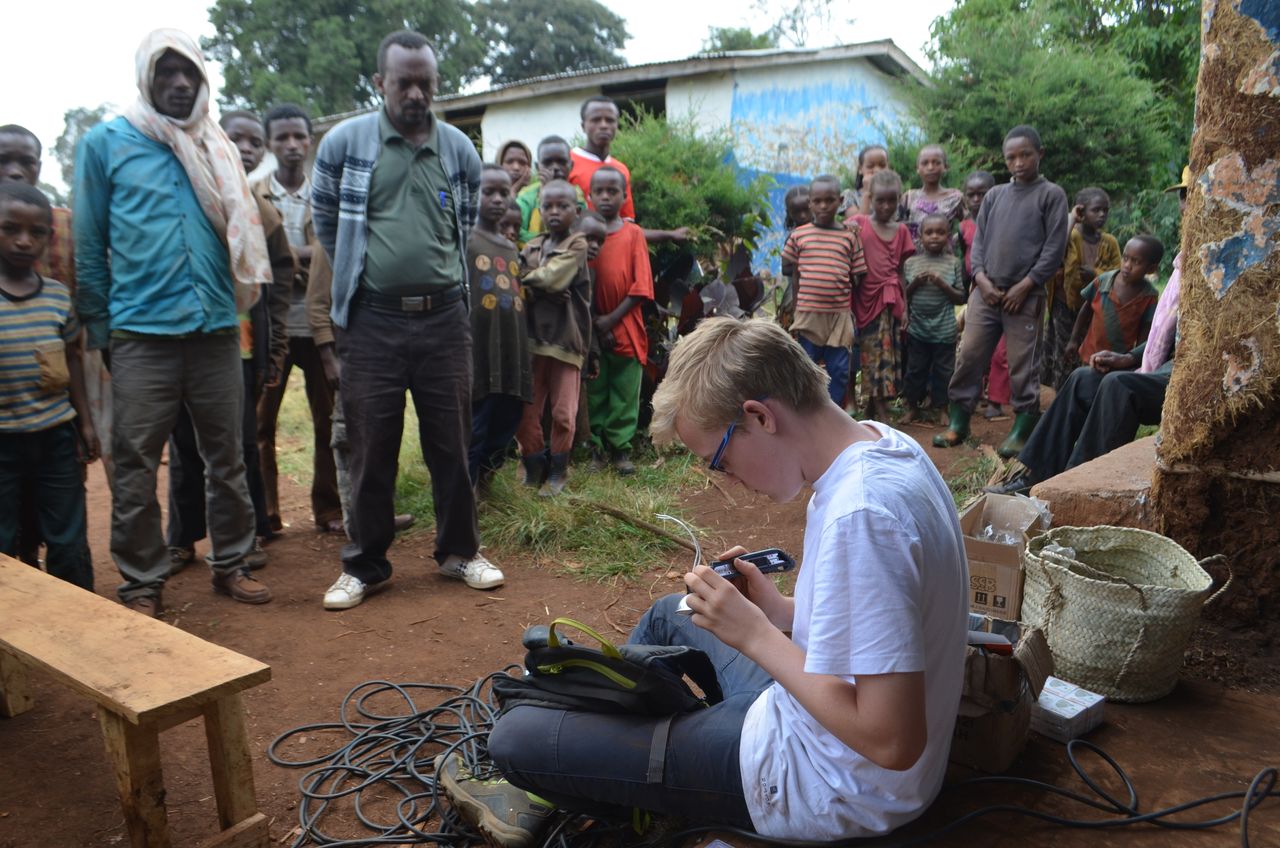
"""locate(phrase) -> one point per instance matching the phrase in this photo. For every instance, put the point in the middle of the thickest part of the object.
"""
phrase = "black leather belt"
(420, 303)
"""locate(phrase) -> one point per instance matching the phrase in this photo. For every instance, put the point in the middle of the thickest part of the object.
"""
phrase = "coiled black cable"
(396, 752)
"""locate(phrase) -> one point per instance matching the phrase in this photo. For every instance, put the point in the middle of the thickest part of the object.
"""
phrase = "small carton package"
(996, 529)
(995, 706)
(1065, 711)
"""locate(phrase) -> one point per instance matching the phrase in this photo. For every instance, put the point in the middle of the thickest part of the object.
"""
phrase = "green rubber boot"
(1023, 424)
(957, 431)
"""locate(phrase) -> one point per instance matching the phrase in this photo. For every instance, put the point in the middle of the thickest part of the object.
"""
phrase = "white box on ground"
(1064, 711)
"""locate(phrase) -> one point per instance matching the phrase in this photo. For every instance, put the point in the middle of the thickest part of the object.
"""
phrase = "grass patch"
(569, 532)
(968, 477)
(294, 433)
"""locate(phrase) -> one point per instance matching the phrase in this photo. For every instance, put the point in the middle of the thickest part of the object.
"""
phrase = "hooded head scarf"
(211, 161)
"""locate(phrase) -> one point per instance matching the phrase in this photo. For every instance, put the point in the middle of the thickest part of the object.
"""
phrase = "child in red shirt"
(879, 301)
(623, 281)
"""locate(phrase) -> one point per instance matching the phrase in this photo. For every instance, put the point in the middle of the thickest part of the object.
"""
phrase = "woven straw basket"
(1118, 616)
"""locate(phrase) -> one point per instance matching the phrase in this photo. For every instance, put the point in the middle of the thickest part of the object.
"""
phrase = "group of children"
(556, 295)
(881, 271)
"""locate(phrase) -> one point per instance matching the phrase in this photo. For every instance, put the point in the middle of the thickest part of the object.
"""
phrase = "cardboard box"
(1065, 711)
(995, 706)
(995, 568)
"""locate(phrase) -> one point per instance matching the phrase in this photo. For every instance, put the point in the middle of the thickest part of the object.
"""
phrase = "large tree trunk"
(1217, 483)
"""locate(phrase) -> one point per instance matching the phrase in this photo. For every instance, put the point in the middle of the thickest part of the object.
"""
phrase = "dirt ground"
(56, 788)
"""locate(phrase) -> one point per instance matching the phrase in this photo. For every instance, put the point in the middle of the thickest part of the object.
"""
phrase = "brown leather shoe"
(148, 606)
(242, 587)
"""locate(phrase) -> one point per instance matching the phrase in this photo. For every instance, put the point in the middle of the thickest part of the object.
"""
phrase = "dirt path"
(56, 787)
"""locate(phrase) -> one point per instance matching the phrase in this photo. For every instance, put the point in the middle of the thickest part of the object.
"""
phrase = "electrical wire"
(395, 752)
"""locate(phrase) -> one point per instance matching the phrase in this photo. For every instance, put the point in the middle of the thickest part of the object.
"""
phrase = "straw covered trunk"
(1217, 483)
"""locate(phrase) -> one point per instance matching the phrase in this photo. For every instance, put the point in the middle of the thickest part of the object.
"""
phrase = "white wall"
(532, 120)
(708, 99)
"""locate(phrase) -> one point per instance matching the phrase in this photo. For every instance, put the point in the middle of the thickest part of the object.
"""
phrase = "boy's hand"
(593, 367)
(1017, 294)
(273, 376)
(1087, 275)
(89, 447)
(1106, 361)
(680, 235)
(721, 609)
(760, 589)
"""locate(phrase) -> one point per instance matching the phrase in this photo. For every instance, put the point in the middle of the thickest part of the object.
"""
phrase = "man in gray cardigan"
(393, 198)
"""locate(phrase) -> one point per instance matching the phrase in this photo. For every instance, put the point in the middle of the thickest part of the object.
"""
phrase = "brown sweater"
(558, 285)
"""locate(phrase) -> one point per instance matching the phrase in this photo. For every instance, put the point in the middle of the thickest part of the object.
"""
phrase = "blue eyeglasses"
(718, 456)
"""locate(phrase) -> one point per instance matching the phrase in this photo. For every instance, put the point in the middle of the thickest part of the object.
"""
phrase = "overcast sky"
(90, 59)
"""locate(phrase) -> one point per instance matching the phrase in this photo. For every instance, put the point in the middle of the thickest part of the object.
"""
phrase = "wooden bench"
(145, 677)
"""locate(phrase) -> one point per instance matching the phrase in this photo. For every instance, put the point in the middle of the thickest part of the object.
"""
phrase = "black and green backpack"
(634, 679)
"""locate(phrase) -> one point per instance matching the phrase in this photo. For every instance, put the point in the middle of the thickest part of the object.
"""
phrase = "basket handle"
(1231, 576)
(607, 647)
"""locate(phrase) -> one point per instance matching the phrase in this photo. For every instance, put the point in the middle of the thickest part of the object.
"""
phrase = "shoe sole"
(478, 815)
(346, 605)
(243, 599)
(488, 584)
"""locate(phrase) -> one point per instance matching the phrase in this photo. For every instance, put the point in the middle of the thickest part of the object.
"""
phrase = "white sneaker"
(345, 593)
(477, 572)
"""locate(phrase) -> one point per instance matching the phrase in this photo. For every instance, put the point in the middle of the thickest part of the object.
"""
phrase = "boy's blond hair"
(725, 362)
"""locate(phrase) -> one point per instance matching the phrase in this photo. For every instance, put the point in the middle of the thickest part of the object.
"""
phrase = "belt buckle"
(415, 304)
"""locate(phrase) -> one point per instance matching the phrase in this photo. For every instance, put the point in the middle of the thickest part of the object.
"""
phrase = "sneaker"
(180, 558)
(506, 814)
(403, 522)
(256, 558)
(347, 592)
(242, 587)
(599, 462)
(477, 572)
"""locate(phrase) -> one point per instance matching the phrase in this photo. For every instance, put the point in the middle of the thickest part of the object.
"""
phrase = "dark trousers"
(494, 421)
(325, 505)
(1092, 415)
(557, 754)
(186, 474)
(929, 369)
(428, 354)
(42, 469)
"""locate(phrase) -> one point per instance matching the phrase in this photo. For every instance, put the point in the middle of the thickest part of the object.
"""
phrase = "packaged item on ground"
(1065, 711)
(996, 529)
(995, 707)
(1117, 606)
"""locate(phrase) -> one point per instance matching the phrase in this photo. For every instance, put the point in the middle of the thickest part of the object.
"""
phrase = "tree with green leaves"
(323, 53)
(1102, 121)
(724, 39)
(76, 121)
(682, 177)
(530, 38)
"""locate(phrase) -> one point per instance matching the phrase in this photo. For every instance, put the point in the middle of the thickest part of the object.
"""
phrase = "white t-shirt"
(882, 589)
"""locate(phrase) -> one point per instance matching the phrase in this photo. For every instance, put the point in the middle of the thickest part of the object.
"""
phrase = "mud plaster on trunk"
(1229, 182)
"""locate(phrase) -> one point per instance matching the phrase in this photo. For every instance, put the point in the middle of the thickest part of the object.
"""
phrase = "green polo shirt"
(414, 244)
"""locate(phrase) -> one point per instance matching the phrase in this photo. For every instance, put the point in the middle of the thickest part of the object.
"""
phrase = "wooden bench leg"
(135, 753)
(15, 696)
(232, 766)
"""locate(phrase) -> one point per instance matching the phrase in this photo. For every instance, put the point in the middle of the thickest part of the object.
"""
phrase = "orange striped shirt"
(827, 261)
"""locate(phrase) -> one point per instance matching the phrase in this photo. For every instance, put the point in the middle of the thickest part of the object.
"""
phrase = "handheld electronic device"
(769, 561)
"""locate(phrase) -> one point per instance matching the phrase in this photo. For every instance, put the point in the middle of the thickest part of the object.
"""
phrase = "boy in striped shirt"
(45, 429)
(829, 264)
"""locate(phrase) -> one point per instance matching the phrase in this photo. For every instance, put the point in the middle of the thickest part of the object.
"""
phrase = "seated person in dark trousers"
(840, 702)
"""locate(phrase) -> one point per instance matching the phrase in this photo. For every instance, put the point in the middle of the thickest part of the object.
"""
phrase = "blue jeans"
(599, 763)
(837, 362)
